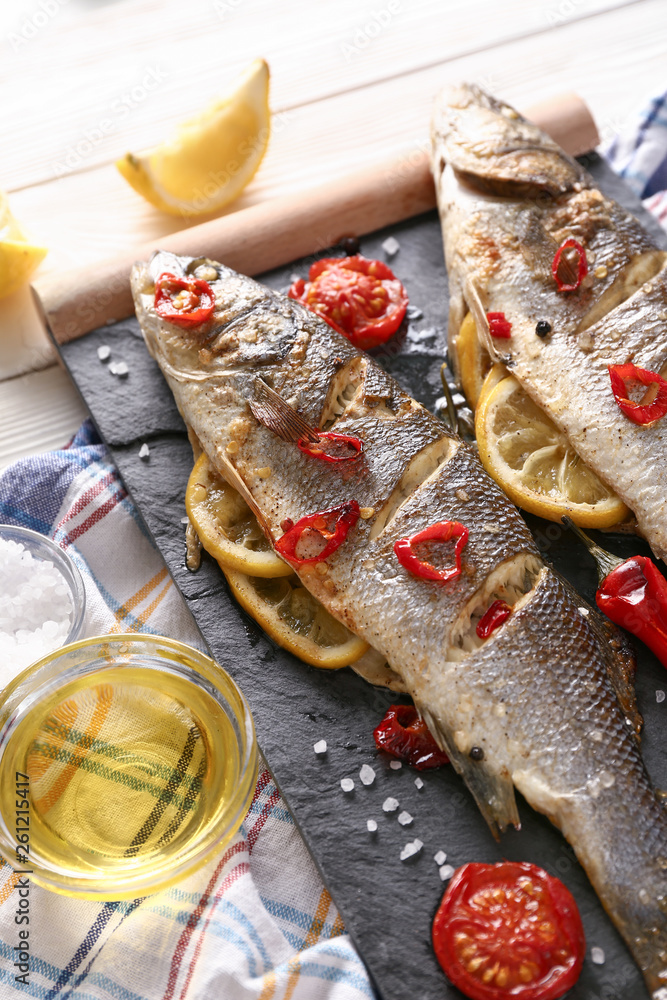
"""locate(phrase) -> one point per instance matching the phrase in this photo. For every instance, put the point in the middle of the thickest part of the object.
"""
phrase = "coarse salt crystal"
(144, 452)
(119, 368)
(320, 746)
(414, 312)
(391, 246)
(395, 765)
(440, 858)
(390, 805)
(347, 784)
(659, 696)
(185, 520)
(367, 775)
(371, 825)
(404, 818)
(104, 352)
(411, 848)
(294, 277)
(419, 782)
(446, 872)
(597, 956)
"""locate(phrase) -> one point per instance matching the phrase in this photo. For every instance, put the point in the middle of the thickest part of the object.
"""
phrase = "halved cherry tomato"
(360, 298)
(186, 302)
(405, 735)
(509, 932)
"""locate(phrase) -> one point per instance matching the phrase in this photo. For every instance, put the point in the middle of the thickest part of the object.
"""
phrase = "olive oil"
(129, 768)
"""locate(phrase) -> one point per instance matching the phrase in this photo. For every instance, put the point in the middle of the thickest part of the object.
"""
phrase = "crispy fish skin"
(545, 697)
(500, 235)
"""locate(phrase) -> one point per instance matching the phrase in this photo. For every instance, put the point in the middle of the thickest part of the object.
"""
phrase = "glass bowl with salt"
(42, 599)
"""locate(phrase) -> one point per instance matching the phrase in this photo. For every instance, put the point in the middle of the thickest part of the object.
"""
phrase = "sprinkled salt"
(446, 872)
(659, 696)
(371, 825)
(144, 452)
(440, 858)
(395, 765)
(411, 848)
(390, 805)
(185, 520)
(391, 246)
(414, 312)
(104, 352)
(35, 608)
(367, 775)
(347, 784)
(119, 368)
(320, 746)
(419, 782)
(597, 956)
(404, 818)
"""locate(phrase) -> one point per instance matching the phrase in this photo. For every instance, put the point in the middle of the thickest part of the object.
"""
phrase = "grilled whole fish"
(508, 198)
(546, 698)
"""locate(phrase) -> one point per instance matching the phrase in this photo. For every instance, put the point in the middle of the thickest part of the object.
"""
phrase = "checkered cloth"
(255, 923)
(639, 155)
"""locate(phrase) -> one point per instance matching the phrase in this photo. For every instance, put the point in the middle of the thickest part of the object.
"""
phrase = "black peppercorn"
(477, 753)
(543, 328)
(350, 245)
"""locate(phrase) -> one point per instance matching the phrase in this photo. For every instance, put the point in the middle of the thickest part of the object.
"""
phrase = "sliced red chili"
(509, 931)
(443, 531)
(320, 534)
(405, 735)
(360, 298)
(186, 302)
(493, 618)
(562, 268)
(644, 412)
(499, 325)
(332, 447)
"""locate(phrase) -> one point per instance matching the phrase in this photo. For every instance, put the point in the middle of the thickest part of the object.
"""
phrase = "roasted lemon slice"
(18, 257)
(296, 620)
(534, 464)
(210, 159)
(473, 359)
(226, 526)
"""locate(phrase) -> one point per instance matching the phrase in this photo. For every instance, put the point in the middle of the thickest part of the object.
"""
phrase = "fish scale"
(554, 672)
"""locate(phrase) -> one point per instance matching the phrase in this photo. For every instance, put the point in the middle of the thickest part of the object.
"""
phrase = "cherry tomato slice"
(509, 932)
(185, 302)
(360, 298)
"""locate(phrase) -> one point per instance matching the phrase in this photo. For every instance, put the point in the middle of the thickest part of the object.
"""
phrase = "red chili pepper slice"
(186, 302)
(360, 298)
(343, 447)
(509, 931)
(493, 618)
(640, 413)
(561, 264)
(634, 595)
(443, 531)
(499, 325)
(405, 735)
(321, 533)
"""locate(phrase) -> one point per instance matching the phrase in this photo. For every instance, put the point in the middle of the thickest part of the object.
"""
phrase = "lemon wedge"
(533, 462)
(211, 158)
(473, 360)
(18, 257)
(226, 526)
(296, 620)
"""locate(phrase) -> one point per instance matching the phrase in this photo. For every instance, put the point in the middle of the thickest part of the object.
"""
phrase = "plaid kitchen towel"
(639, 155)
(255, 923)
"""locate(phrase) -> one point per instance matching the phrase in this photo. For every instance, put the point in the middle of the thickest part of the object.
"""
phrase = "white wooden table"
(352, 83)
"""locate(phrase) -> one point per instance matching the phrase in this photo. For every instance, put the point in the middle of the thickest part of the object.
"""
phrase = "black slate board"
(387, 905)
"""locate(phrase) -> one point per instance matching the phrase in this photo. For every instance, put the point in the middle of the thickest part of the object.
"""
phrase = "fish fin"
(270, 409)
(493, 791)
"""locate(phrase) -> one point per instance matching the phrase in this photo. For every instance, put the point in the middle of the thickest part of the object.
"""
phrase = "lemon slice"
(534, 464)
(211, 158)
(226, 526)
(296, 620)
(18, 257)
(496, 375)
(473, 359)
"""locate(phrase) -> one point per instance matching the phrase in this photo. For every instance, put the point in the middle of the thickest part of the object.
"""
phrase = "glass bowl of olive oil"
(136, 756)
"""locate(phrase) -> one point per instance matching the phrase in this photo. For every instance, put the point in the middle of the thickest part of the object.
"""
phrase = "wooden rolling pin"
(275, 232)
